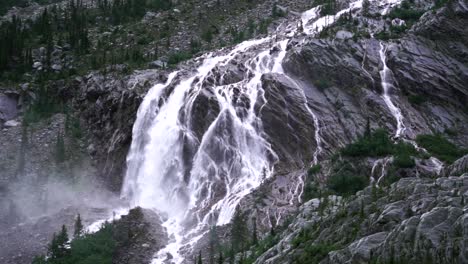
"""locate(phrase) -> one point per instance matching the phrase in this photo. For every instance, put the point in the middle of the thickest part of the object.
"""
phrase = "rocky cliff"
(267, 125)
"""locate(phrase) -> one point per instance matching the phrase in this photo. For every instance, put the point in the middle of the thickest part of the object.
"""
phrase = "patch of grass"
(440, 147)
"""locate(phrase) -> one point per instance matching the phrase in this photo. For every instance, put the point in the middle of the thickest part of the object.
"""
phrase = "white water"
(383, 162)
(387, 86)
(231, 159)
(323, 22)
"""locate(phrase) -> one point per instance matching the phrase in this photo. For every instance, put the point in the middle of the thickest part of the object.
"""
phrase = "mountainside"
(234, 131)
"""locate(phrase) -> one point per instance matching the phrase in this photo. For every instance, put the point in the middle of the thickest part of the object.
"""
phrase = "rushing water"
(387, 86)
(231, 159)
(195, 189)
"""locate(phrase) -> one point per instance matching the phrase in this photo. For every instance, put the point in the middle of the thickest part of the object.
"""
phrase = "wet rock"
(139, 235)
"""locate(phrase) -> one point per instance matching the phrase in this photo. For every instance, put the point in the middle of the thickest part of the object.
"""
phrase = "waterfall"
(193, 190)
(231, 159)
(387, 86)
(383, 162)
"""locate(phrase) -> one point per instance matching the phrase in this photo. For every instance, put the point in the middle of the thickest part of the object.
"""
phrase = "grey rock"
(342, 34)
(56, 67)
(8, 106)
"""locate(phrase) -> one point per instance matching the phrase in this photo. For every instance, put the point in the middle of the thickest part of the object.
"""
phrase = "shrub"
(416, 99)
(440, 147)
(347, 179)
(175, 58)
(314, 253)
(322, 84)
(405, 12)
(376, 144)
(87, 249)
(403, 161)
(311, 189)
(314, 170)
(402, 153)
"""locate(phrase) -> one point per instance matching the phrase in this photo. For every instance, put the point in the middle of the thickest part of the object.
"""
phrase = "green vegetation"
(376, 144)
(311, 187)
(365, 7)
(416, 99)
(175, 58)
(5, 5)
(78, 231)
(43, 106)
(314, 170)
(328, 7)
(406, 12)
(277, 12)
(59, 154)
(86, 249)
(346, 179)
(322, 83)
(402, 155)
(349, 176)
(314, 253)
(440, 3)
(440, 147)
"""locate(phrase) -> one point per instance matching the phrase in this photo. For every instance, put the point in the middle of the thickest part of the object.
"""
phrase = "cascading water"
(387, 86)
(230, 159)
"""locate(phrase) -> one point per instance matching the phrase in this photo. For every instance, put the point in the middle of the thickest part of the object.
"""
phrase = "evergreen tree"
(220, 258)
(199, 261)
(213, 244)
(61, 243)
(239, 231)
(254, 232)
(60, 149)
(78, 226)
(367, 133)
(39, 260)
(365, 7)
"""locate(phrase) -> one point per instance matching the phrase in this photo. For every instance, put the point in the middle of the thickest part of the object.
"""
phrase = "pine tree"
(39, 260)
(78, 227)
(254, 232)
(365, 7)
(62, 239)
(53, 248)
(239, 231)
(220, 258)
(213, 244)
(367, 133)
(199, 258)
(60, 149)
